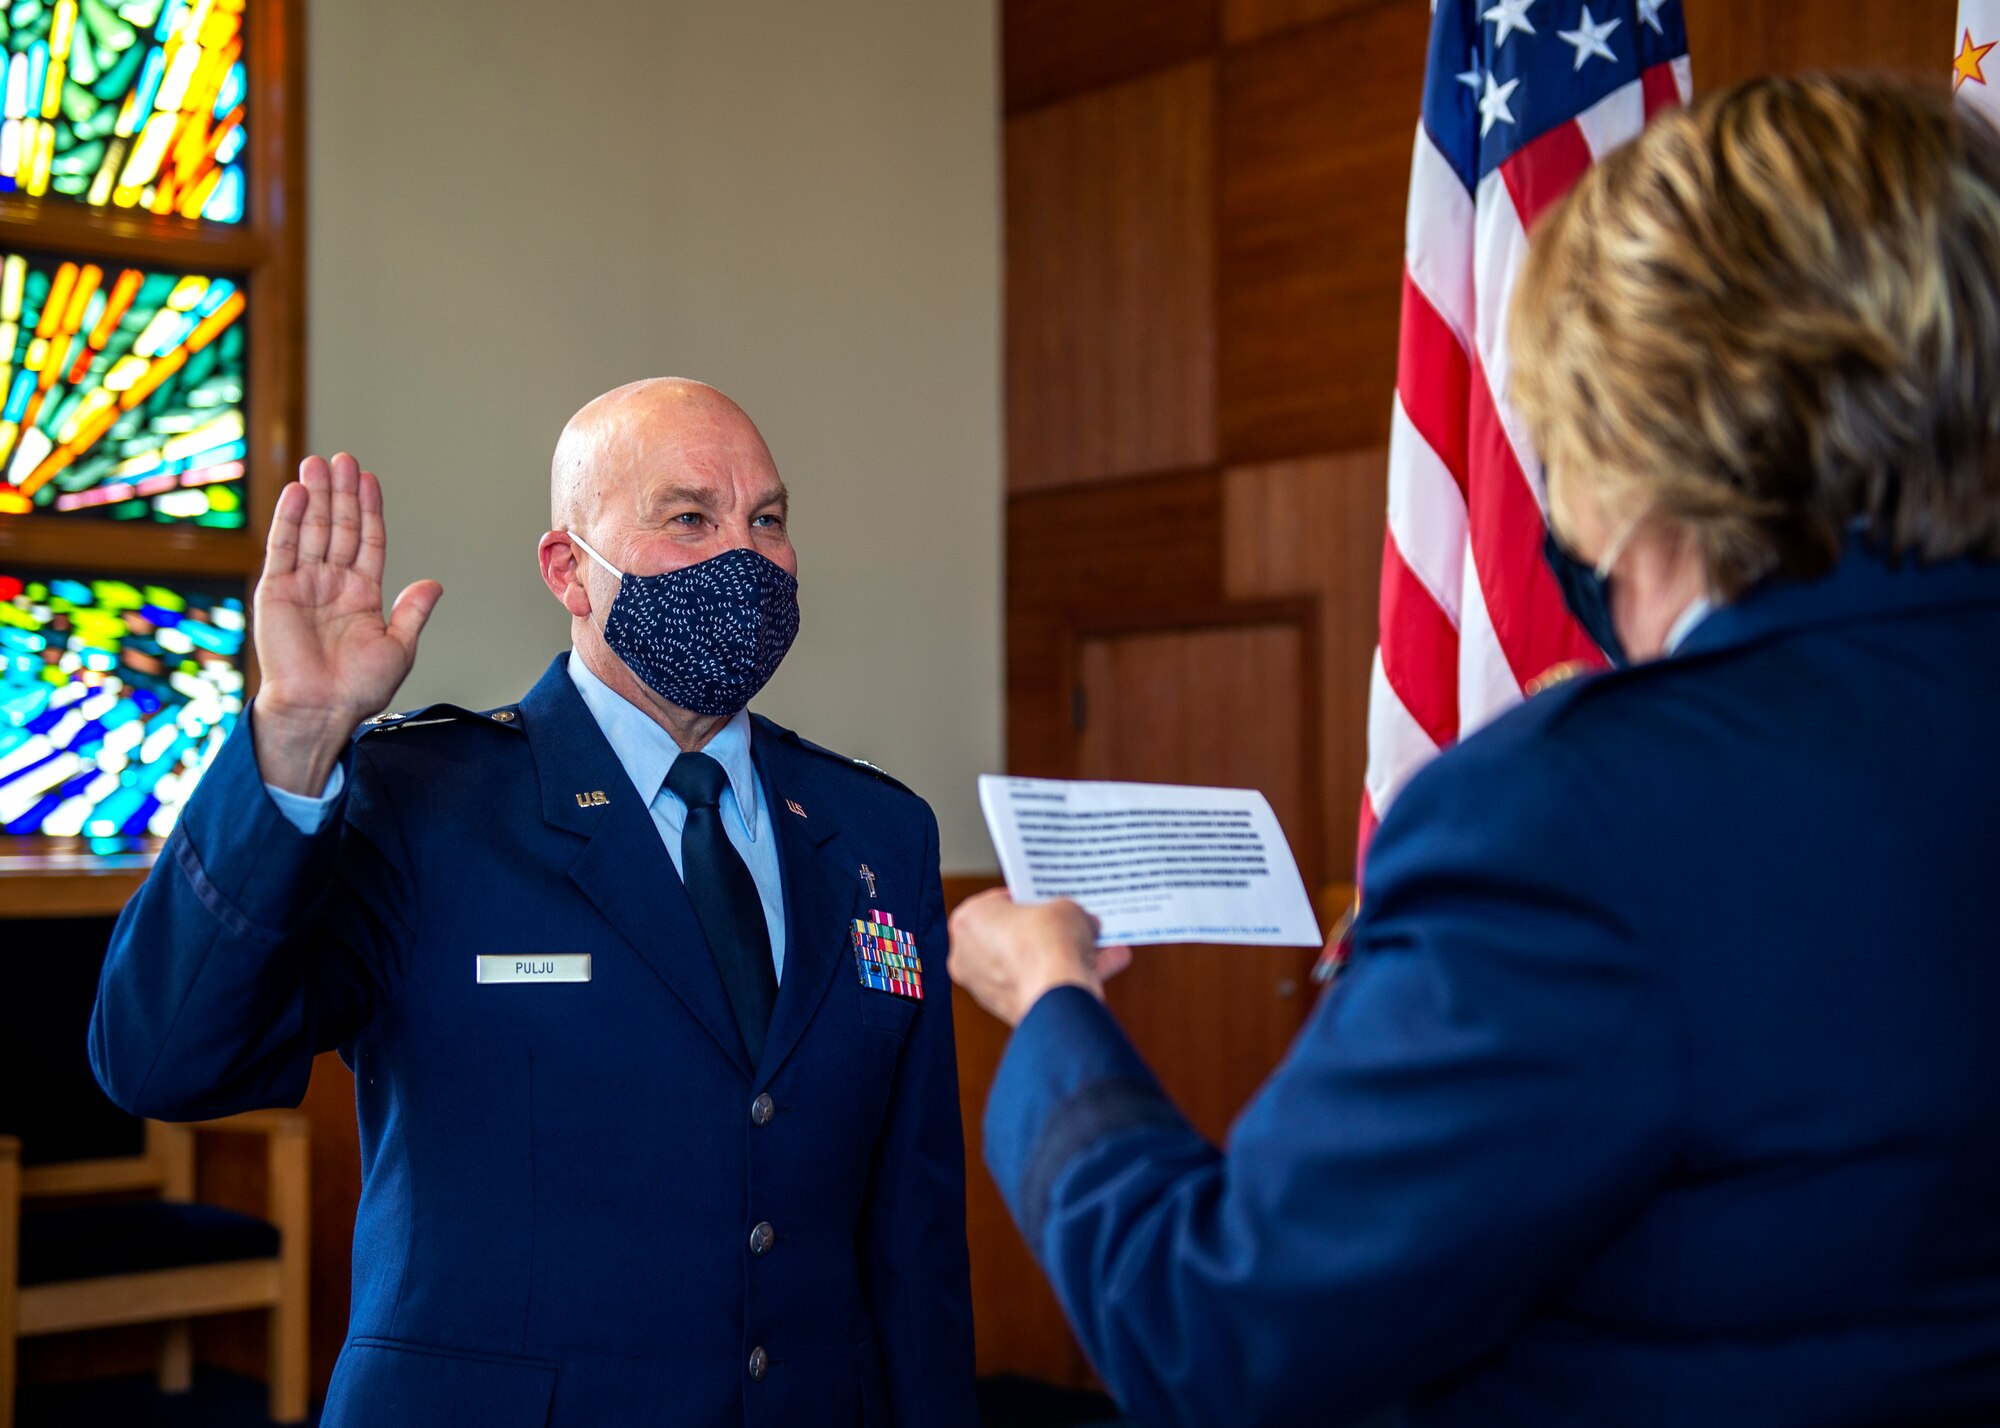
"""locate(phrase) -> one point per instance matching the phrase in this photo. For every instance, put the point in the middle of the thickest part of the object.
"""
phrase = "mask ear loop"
(1609, 560)
(594, 555)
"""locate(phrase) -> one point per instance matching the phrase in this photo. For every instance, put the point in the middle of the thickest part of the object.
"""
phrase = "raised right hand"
(327, 657)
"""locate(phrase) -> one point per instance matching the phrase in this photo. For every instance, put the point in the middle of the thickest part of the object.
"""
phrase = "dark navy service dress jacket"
(581, 1205)
(1662, 1087)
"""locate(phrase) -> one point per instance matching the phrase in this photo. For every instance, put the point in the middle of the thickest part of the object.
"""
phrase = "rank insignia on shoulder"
(877, 771)
(874, 771)
(428, 715)
(885, 956)
(1557, 674)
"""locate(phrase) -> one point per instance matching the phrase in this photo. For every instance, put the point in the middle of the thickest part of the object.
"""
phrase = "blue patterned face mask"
(708, 636)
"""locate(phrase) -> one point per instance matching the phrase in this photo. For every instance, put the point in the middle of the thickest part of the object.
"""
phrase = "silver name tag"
(556, 967)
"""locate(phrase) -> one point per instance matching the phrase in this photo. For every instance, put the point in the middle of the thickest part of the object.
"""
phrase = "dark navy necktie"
(725, 899)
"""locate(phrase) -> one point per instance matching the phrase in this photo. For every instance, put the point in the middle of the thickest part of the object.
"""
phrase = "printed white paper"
(1154, 862)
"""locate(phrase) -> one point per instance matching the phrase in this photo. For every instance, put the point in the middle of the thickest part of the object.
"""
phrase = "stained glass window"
(114, 696)
(133, 105)
(123, 392)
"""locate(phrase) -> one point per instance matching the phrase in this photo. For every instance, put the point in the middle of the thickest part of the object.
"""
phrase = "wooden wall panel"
(1110, 283)
(1314, 528)
(1247, 20)
(1729, 40)
(1019, 1326)
(1315, 135)
(1051, 49)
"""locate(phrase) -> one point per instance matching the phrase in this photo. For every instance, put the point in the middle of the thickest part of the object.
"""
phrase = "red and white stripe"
(1470, 615)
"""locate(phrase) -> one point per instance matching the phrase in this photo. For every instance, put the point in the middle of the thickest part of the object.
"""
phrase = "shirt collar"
(648, 751)
(1697, 611)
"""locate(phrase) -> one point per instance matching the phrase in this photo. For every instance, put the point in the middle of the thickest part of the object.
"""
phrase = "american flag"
(1520, 98)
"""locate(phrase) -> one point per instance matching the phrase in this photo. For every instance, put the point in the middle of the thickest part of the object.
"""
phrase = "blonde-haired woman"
(1664, 1083)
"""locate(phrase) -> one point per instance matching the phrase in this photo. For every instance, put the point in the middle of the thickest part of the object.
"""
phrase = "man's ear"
(562, 571)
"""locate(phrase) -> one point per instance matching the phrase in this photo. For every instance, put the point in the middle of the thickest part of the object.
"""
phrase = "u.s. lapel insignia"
(793, 804)
(886, 956)
(593, 799)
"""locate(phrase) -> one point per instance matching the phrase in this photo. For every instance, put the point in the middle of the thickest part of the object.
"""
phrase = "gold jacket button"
(762, 1109)
(763, 1237)
(760, 1364)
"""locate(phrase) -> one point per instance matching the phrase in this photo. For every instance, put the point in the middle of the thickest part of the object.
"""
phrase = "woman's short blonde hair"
(1771, 316)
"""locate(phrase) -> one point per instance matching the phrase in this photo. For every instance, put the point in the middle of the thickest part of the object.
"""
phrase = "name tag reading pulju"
(552, 967)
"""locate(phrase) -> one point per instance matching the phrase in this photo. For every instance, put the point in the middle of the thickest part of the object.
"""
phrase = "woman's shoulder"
(1584, 762)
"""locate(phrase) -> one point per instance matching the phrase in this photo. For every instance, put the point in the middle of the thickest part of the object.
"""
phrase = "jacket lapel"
(622, 867)
(822, 890)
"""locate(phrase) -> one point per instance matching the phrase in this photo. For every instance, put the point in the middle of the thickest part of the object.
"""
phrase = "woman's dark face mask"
(1586, 589)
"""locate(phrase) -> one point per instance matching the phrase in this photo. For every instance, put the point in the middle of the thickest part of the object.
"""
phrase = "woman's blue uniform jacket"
(1662, 1088)
(562, 1182)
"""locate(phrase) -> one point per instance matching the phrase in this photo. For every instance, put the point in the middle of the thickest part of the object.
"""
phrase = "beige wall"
(514, 206)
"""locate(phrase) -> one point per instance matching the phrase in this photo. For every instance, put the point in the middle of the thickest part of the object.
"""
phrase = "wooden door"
(1227, 705)
(1204, 695)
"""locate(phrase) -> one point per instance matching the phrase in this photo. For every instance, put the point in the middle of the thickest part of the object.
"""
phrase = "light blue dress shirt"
(647, 752)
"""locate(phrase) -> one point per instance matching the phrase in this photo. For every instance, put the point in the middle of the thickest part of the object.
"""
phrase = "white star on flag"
(1493, 105)
(1649, 15)
(1510, 15)
(1470, 78)
(1588, 39)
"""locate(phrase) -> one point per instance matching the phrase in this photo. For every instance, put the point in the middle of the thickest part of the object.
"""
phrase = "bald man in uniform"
(643, 993)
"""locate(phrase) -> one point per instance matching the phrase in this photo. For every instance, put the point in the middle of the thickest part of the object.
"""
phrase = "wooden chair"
(165, 1259)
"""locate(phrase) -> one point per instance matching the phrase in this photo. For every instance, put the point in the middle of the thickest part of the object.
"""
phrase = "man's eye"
(686, 518)
(772, 522)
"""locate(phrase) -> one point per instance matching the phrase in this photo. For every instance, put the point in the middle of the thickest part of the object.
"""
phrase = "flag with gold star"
(1975, 67)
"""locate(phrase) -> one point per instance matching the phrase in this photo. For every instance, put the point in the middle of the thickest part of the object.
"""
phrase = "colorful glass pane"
(121, 392)
(133, 105)
(114, 696)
